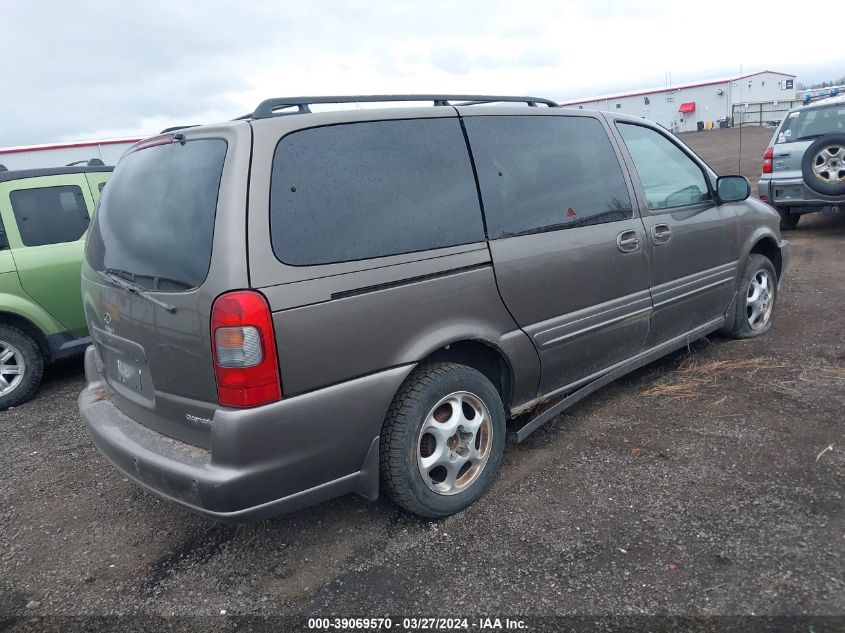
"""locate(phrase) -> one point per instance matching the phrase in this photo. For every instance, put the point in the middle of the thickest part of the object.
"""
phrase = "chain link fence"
(768, 113)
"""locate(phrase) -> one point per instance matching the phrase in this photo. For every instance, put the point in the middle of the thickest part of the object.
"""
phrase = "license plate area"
(128, 374)
(124, 367)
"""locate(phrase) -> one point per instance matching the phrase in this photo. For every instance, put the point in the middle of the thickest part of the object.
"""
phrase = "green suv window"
(50, 215)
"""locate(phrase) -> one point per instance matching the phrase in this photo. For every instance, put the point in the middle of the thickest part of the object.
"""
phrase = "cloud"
(90, 68)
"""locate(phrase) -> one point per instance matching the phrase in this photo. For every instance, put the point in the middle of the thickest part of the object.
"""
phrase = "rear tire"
(756, 296)
(21, 367)
(788, 221)
(442, 440)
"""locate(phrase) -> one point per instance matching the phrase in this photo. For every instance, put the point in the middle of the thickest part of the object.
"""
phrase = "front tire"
(442, 440)
(756, 295)
(21, 367)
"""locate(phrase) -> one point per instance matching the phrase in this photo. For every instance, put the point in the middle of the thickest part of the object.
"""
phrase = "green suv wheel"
(21, 367)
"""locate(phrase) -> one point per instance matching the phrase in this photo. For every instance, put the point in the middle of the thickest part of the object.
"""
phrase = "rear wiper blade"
(809, 137)
(119, 280)
(157, 279)
(178, 282)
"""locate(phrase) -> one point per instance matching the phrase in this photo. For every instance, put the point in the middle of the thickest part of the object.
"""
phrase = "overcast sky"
(85, 69)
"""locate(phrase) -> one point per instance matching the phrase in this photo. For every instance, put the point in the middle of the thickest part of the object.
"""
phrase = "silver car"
(804, 165)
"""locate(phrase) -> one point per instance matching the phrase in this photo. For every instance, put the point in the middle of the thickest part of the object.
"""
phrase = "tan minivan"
(297, 305)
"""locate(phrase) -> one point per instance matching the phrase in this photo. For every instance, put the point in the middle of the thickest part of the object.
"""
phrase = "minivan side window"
(50, 215)
(363, 190)
(545, 173)
(670, 178)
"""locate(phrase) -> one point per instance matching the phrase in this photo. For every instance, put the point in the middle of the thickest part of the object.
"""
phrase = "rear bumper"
(792, 192)
(263, 461)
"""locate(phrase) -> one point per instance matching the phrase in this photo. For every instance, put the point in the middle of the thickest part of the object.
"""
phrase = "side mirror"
(732, 188)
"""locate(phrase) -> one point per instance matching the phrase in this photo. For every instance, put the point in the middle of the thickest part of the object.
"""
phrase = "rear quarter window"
(50, 215)
(365, 190)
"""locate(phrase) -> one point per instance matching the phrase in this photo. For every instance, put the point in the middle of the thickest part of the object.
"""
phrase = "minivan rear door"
(568, 249)
(169, 205)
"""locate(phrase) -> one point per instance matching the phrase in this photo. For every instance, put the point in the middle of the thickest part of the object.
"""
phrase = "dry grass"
(837, 373)
(693, 376)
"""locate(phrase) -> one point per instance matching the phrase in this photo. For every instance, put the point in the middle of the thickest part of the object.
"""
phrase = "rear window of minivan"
(365, 190)
(155, 221)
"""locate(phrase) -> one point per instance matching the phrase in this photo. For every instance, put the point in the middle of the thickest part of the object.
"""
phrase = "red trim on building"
(38, 148)
(681, 87)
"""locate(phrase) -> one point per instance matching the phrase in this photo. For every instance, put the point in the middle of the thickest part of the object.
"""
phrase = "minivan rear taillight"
(768, 155)
(244, 348)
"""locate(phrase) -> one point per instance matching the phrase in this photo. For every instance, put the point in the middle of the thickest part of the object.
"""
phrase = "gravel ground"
(722, 501)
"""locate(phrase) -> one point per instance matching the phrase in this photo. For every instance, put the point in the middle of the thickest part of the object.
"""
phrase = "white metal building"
(680, 108)
(60, 154)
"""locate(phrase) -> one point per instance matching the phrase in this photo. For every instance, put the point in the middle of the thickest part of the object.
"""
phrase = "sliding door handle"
(628, 241)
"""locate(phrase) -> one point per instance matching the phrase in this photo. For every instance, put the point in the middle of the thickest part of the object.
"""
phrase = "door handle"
(661, 234)
(628, 241)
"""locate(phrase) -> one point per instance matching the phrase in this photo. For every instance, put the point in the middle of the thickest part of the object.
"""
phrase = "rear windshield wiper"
(115, 277)
(809, 137)
(156, 279)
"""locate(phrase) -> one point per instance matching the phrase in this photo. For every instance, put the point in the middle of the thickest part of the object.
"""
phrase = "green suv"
(44, 215)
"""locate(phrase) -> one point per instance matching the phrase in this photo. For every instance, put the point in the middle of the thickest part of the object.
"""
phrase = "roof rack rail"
(177, 127)
(270, 107)
(90, 162)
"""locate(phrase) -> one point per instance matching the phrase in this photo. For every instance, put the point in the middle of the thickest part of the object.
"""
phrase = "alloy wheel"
(455, 443)
(759, 300)
(829, 165)
(11, 367)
